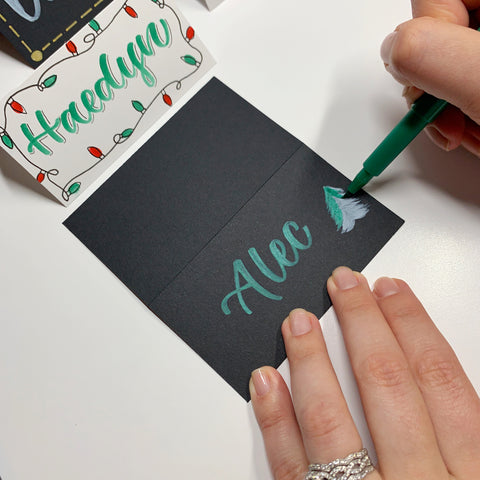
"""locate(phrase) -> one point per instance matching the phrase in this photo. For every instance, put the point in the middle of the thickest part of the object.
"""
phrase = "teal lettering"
(152, 33)
(264, 269)
(122, 66)
(139, 63)
(107, 73)
(287, 232)
(239, 269)
(88, 99)
(279, 253)
(146, 50)
(34, 141)
(67, 122)
(103, 88)
(48, 130)
(72, 116)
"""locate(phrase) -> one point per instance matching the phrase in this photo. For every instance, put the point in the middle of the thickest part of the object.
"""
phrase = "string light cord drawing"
(20, 109)
(48, 80)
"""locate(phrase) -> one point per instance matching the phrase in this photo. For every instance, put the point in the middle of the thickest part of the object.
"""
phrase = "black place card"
(219, 224)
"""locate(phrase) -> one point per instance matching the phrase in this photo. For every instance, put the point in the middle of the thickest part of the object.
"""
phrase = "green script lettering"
(88, 100)
(48, 130)
(279, 253)
(103, 88)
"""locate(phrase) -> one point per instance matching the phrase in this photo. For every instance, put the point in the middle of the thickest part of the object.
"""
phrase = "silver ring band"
(355, 466)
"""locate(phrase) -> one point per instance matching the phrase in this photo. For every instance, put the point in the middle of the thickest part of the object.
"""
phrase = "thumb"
(438, 57)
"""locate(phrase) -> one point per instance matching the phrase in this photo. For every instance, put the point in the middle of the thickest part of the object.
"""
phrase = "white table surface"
(93, 385)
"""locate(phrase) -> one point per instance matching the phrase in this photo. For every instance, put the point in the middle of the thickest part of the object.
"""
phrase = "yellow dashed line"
(96, 4)
(14, 31)
(26, 46)
(84, 14)
(71, 26)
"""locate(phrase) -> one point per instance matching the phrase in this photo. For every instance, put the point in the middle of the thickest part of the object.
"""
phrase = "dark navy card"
(219, 224)
(37, 28)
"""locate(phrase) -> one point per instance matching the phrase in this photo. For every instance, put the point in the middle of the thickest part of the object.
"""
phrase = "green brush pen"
(422, 112)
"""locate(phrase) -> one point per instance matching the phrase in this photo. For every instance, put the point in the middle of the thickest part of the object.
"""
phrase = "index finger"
(454, 11)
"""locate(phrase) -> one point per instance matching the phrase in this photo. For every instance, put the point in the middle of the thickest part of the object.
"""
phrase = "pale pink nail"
(299, 322)
(261, 382)
(385, 287)
(344, 278)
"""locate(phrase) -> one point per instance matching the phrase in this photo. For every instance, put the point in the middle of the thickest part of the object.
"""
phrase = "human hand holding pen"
(439, 52)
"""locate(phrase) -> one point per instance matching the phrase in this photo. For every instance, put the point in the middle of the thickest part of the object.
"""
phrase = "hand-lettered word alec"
(279, 253)
(18, 7)
(93, 99)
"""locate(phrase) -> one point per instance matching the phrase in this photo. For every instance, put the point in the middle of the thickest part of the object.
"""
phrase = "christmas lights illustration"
(74, 188)
(71, 47)
(167, 98)
(130, 11)
(42, 174)
(190, 33)
(121, 137)
(48, 82)
(96, 152)
(138, 106)
(73, 185)
(94, 26)
(190, 60)
(15, 106)
(6, 140)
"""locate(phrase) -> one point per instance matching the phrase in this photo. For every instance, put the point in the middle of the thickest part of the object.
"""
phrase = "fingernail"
(386, 52)
(384, 287)
(386, 48)
(299, 322)
(437, 138)
(411, 94)
(344, 278)
(261, 383)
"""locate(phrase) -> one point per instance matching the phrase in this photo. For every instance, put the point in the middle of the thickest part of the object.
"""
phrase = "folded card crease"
(212, 239)
(175, 194)
(219, 224)
(241, 265)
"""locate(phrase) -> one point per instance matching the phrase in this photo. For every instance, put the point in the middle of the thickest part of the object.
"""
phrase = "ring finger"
(396, 413)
